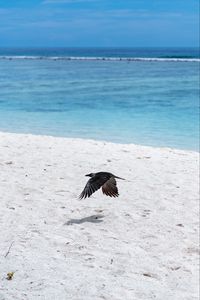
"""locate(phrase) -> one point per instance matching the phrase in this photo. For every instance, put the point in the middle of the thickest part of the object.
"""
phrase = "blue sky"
(102, 23)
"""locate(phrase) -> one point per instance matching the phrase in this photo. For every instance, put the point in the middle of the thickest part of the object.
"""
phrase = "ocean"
(127, 95)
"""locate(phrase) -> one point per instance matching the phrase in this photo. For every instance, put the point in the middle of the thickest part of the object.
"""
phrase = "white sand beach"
(141, 245)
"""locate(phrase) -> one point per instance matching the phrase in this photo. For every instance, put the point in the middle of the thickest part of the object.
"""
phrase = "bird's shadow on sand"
(90, 219)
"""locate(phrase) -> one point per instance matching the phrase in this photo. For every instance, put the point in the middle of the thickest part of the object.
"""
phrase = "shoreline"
(99, 141)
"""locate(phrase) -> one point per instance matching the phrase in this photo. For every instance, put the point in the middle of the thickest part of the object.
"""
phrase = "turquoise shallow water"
(144, 102)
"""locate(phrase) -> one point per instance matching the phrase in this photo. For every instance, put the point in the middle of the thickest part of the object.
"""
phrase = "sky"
(99, 23)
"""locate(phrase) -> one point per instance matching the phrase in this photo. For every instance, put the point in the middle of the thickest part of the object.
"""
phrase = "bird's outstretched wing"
(92, 186)
(110, 188)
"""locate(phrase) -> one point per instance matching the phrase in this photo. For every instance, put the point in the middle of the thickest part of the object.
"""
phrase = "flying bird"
(101, 179)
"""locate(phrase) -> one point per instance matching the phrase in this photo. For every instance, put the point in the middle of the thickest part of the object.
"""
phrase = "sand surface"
(141, 245)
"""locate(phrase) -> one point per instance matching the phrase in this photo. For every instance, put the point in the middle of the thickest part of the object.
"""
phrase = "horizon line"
(114, 47)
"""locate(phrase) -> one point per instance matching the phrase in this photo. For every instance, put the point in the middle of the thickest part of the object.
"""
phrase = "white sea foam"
(84, 58)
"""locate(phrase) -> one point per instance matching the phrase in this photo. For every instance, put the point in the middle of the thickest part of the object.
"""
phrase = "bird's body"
(101, 179)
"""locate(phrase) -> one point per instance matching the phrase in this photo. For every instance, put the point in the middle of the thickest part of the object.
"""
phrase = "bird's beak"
(87, 175)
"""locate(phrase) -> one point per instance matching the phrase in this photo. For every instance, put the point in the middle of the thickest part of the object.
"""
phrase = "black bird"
(101, 179)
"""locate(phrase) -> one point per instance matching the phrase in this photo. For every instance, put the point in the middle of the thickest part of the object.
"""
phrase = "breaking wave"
(82, 58)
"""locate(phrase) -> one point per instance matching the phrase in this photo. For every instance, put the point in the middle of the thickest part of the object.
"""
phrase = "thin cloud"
(66, 1)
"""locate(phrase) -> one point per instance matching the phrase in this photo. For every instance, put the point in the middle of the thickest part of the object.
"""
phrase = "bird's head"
(90, 175)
